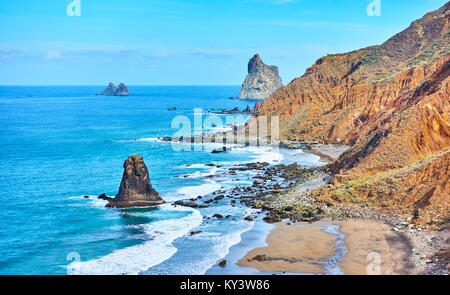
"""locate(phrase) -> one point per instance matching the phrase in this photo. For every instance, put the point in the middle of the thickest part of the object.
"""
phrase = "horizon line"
(128, 85)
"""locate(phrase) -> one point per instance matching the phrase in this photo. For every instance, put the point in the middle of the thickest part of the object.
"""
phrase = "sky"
(189, 42)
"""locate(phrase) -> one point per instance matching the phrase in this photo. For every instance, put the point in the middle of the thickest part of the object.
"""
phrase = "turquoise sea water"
(58, 144)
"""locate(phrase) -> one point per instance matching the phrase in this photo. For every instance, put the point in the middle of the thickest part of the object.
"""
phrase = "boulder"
(104, 197)
(135, 189)
(222, 150)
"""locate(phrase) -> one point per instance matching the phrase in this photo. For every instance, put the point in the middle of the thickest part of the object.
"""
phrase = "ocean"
(61, 143)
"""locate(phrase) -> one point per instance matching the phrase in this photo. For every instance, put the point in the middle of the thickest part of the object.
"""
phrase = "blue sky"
(174, 42)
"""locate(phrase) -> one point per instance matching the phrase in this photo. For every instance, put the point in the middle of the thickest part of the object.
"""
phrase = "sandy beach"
(292, 249)
(371, 248)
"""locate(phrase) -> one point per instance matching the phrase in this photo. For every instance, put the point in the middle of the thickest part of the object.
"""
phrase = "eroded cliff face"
(262, 80)
(390, 103)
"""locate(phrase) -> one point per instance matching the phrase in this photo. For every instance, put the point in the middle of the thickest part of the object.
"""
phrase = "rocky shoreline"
(282, 193)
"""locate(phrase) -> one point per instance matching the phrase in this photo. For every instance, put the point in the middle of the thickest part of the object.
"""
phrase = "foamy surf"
(136, 259)
(194, 191)
(92, 200)
(220, 248)
(261, 153)
(197, 174)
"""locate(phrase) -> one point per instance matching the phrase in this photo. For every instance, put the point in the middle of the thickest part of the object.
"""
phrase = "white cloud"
(54, 54)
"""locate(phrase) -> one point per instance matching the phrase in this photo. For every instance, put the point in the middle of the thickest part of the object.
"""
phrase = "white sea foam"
(194, 191)
(198, 174)
(261, 153)
(93, 200)
(221, 247)
(193, 166)
(135, 259)
(151, 139)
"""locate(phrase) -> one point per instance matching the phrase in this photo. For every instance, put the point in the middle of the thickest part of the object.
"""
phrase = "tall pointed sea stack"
(135, 189)
(110, 90)
(262, 80)
(122, 90)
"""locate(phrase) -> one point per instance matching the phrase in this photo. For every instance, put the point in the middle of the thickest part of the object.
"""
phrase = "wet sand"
(372, 248)
(293, 249)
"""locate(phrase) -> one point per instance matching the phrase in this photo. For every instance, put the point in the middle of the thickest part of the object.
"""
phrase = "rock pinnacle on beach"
(135, 189)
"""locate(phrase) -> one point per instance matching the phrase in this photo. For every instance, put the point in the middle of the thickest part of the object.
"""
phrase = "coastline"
(366, 231)
(310, 249)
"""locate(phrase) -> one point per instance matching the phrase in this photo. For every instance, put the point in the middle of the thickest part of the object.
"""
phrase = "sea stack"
(122, 90)
(262, 80)
(111, 90)
(135, 189)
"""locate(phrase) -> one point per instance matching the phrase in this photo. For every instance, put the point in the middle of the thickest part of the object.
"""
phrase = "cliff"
(390, 103)
(135, 189)
(262, 80)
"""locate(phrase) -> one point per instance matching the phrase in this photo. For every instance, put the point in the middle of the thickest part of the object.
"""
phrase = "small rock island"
(135, 189)
(262, 80)
(111, 90)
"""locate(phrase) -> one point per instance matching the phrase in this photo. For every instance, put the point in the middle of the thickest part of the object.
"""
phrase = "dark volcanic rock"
(249, 218)
(186, 204)
(195, 232)
(135, 189)
(109, 91)
(122, 90)
(222, 150)
(235, 110)
(104, 197)
(272, 218)
(262, 80)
